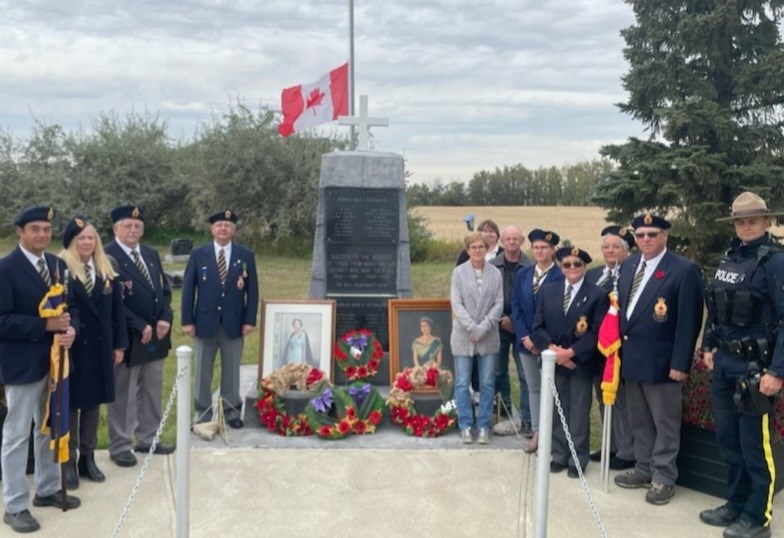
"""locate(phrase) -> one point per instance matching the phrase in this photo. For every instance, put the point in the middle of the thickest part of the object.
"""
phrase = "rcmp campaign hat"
(73, 228)
(541, 235)
(30, 214)
(563, 252)
(650, 220)
(127, 212)
(748, 204)
(228, 215)
(620, 231)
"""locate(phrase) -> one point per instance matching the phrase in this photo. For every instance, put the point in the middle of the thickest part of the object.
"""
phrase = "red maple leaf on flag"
(314, 99)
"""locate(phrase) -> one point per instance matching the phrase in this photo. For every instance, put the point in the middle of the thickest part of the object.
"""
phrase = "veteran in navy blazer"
(661, 300)
(25, 345)
(525, 289)
(615, 244)
(567, 322)
(93, 286)
(220, 296)
(136, 410)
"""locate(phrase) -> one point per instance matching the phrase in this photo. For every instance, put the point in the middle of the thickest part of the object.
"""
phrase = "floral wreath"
(358, 354)
(337, 412)
(401, 404)
(272, 410)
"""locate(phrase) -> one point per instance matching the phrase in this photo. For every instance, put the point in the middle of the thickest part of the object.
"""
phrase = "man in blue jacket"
(220, 296)
(139, 378)
(25, 343)
(661, 302)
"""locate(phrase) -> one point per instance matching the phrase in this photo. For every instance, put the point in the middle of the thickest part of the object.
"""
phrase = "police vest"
(730, 297)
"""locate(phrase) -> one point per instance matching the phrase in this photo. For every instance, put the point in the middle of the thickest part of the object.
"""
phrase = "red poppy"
(325, 431)
(360, 426)
(659, 274)
(442, 421)
(351, 371)
(350, 412)
(339, 353)
(373, 365)
(344, 426)
(403, 383)
(374, 417)
(432, 377)
(378, 351)
(362, 372)
(314, 375)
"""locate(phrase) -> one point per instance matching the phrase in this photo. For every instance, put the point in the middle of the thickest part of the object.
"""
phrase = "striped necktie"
(567, 299)
(538, 279)
(606, 274)
(137, 260)
(88, 279)
(43, 270)
(223, 271)
(637, 280)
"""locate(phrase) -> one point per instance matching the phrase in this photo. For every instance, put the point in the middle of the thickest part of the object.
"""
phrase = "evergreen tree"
(707, 79)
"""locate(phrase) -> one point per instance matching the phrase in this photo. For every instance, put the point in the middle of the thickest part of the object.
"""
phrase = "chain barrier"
(148, 458)
(597, 519)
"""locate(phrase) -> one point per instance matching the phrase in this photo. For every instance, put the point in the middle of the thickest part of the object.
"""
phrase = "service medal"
(240, 283)
(660, 310)
(582, 326)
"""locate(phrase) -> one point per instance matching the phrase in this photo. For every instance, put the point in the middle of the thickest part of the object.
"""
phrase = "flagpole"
(351, 70)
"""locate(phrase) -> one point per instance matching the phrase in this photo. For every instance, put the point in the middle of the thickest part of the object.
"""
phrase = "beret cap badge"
(50, 214)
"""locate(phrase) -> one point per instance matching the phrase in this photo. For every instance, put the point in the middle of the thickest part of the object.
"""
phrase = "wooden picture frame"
(405, 318)
(313, 344)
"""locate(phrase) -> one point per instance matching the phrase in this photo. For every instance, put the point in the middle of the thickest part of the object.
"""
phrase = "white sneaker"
(466, 437)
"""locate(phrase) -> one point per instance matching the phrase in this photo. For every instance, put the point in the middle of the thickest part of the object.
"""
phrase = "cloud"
(467, 85)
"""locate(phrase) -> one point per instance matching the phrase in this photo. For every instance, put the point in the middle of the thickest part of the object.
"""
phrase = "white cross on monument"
(363, 122)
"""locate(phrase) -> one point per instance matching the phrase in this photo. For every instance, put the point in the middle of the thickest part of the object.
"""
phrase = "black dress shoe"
(71, 478)
(123, 459)
(89, 470)
(235, 423)
(556, 467)
(597, 456)
(723, 516)
(56, 500)
(743, 528)
(160, 449)
(21, 521)
(572, 472)
(619, 464)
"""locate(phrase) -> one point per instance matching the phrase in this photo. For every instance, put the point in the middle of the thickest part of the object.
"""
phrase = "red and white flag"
(610, 345)
(308, 105)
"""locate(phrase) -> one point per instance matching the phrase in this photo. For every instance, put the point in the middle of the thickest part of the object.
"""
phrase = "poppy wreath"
(337, 412)
(272, 409)
(358, 354)
(403, 412)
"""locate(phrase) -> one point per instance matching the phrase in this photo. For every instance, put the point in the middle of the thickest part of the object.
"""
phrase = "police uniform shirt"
(650, 268)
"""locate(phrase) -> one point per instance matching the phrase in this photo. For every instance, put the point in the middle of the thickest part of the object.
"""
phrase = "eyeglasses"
(649, 235)
(477, 247)
(569, 265)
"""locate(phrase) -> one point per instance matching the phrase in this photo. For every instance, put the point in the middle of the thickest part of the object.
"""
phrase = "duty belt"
(733, 347)
(750, 349)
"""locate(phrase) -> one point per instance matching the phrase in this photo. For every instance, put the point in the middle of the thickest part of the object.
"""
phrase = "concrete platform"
(381, 485)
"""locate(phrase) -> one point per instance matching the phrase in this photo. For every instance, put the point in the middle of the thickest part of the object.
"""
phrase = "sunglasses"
(569, 265)
(649, 235)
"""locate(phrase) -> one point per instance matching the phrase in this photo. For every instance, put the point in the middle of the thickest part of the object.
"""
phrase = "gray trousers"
(25, 403)
(136, 409)
(621, 441)
(231, 355)
(655, 411)
(533, 376)
(575, 396)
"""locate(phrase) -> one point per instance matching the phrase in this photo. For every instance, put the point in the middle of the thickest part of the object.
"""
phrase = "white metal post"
(545, 444)
(182, 490)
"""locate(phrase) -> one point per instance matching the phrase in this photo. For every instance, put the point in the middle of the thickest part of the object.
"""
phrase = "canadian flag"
(308, 105)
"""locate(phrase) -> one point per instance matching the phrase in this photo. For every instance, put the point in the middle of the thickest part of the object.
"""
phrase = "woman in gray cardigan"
(477, 303)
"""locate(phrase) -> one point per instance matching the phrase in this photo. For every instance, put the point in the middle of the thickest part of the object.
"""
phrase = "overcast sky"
(466, 85)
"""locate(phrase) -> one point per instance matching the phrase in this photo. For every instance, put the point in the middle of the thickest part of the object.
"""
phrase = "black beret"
(127, 212)
(541, 235)
(651, 220)
(73, 228)
(622, 232)
(228, 215)
(30, 214)
(563, 252)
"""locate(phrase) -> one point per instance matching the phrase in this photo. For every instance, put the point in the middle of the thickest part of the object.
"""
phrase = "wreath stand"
(208, 430)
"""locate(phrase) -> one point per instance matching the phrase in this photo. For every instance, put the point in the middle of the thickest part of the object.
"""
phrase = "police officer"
(744, 346)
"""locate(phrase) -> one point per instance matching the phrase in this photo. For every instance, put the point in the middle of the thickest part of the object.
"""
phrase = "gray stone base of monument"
(427, 403)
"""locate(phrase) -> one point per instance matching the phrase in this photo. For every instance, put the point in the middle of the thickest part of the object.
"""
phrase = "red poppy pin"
(659, 274)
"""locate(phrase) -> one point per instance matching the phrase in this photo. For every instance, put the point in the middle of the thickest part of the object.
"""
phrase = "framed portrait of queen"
(294, 332)
(419, 332)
